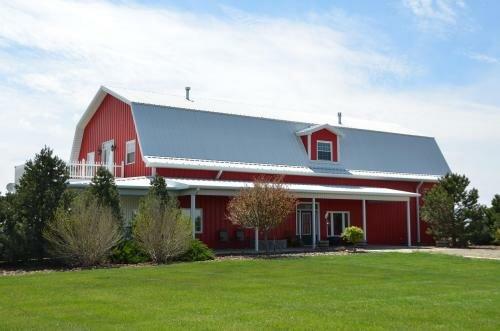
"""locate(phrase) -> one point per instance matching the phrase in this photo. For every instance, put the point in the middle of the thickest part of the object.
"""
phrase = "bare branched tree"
(264, 206)
(161, 229)
(83, 234)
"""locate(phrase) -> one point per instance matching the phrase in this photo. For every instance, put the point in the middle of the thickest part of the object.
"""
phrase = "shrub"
(85, 234)
(197, 251)
(128, 251)
(161, 230)
(353, 235)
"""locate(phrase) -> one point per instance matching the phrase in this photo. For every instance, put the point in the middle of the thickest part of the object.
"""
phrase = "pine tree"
(104, 189)
(37, 198)
(450, 208)
(159, 188)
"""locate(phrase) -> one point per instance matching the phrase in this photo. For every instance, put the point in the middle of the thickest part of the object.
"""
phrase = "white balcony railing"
(84, 170)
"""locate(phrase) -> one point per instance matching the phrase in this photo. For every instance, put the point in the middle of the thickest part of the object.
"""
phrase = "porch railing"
(84, 170)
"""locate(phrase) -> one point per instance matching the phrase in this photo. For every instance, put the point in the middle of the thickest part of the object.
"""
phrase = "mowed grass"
(361, 291)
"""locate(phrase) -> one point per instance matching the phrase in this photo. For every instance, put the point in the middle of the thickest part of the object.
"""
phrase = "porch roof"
(230, 188)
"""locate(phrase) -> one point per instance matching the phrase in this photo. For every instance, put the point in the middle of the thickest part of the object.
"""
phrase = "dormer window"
(324, 150)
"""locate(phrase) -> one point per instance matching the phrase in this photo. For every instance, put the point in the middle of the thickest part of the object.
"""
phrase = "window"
(324, 150)
(198, 218)
(130, 152)
(336, 223)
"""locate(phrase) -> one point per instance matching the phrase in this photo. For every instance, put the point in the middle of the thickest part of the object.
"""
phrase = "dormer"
(321, 142)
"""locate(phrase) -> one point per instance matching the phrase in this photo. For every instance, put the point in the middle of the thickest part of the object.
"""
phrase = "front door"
(305, 226)
(108, 156)
(304, 222)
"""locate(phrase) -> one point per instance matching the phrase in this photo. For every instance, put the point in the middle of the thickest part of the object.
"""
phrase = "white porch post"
(408, 223)
(257, 239)
(314, 223)
(364, 220)
(192, 211)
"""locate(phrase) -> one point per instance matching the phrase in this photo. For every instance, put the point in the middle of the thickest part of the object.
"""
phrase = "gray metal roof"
(203, 135)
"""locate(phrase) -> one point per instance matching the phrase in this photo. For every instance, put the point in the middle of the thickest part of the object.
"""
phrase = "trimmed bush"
(198, 251)
(353, 235)
(128, 252)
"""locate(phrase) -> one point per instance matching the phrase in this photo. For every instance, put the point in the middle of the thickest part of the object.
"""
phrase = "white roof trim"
(318, 127)
(232, 187)
(178, 163)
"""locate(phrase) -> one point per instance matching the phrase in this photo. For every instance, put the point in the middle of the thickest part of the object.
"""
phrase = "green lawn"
(362, 291)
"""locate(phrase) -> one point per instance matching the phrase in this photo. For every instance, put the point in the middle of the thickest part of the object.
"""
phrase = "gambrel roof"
(178, 133)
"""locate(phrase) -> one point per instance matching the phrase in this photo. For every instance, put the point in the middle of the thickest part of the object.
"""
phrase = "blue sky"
(430, 65)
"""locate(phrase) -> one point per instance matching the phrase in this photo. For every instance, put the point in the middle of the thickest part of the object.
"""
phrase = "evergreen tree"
(37, 198)
(493, 216)
(104, 189)
(12, 241)
(450, 208)
(159, 188)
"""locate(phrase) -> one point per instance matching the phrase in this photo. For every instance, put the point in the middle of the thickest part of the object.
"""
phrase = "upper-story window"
(130, 152)
(324, 150)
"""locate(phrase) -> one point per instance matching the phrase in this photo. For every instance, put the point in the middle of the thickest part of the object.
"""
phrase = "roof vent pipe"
(187, 93)
(340, 118)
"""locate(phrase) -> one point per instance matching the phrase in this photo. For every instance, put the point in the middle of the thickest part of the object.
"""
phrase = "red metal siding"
(386, 221)
(186, 173)
(325, 135)
(113, 120)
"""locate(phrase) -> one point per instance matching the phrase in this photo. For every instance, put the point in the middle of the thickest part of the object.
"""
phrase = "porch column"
(408, 223)
(364, 220)
(314, 223)
(257, 239)
(192, 212)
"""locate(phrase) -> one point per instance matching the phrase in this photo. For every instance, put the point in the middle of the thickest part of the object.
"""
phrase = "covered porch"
(387, 216)
(331, 207)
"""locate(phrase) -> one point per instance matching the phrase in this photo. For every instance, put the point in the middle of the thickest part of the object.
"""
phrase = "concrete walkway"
(482, 252)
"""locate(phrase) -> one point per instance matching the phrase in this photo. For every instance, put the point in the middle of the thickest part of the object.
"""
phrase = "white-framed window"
(324, 150)
(336, 222)
(198, 218)
(130, 152)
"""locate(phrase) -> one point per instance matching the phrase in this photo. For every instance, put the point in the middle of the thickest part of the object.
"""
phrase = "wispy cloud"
(484, 58)
(436, 15)
(53, 57)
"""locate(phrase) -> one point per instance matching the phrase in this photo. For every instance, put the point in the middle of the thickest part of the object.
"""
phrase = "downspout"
(418, 211)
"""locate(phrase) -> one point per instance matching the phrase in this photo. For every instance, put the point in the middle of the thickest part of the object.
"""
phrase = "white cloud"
(483, 58)
(437, 15)
(53, 57)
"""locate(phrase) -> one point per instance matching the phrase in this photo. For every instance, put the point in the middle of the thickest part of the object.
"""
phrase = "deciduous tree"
(264, 206)
(83, 234)
(160, 228)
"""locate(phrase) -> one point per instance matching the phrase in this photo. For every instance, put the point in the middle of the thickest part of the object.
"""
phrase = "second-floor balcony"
(85, 170)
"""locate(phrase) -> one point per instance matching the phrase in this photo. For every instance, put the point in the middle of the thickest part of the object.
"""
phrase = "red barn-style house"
(342, 175)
